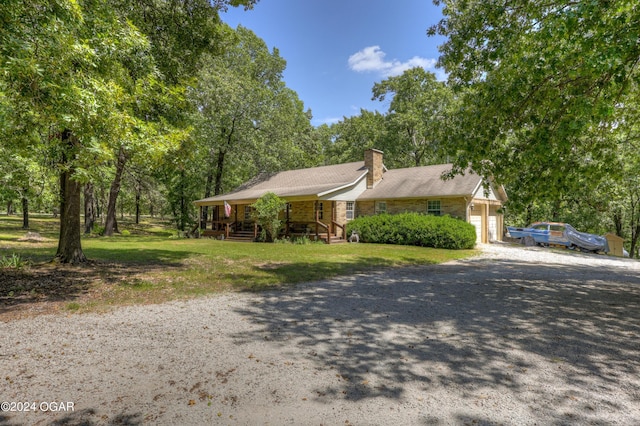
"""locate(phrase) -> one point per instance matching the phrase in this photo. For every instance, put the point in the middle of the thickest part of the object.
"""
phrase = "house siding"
(455, 207)
(302, 211)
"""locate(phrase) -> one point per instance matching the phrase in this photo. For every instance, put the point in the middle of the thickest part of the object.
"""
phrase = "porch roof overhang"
(293, 191)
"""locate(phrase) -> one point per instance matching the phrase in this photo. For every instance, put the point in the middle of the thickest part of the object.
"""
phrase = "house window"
(350, 209)
(381, 207)
(247, 212)
(320, 211)
(433, 207)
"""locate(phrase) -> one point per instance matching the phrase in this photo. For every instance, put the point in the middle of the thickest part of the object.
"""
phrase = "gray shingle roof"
(420, 182)
(292, 183)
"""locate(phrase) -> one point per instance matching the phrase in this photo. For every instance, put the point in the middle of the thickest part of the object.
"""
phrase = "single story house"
(321, 200)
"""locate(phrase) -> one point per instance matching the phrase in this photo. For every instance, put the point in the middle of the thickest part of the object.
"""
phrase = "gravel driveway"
(516, 336)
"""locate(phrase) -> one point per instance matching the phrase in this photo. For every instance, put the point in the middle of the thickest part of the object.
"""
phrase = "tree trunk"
(207, 190)
(25, 211)
(183, 213)
(111, 224)
(634, 223)
(137, 206)
(69, 246)
(217, 189)
(89, 210)
(9, 208)
(528, 215)
(617, 221)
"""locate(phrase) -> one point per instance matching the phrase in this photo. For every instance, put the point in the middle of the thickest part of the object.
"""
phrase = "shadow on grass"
(283, 274)
(279, 275)
(475, 327)
(48, 282)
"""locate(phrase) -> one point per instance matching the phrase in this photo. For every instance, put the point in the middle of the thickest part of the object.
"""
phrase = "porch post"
(205, 220)
(286, 223)
(315, 206)
(236, 221)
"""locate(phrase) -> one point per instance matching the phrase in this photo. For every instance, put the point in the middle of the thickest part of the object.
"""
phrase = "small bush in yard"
(415, 229)
(14, 261)
(265, 213)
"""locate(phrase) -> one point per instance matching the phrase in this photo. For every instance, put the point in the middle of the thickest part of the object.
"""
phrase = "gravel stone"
(515, 336)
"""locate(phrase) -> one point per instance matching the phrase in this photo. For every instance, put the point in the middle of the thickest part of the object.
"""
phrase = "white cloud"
(368, 59)
(371, 59)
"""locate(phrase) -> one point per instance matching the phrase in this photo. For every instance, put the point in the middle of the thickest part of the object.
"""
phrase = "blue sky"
(337, 49)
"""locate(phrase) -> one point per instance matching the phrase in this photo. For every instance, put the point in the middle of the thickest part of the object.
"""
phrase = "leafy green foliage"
(537, 82)
(347, 140)
(419, 107)
(246, 121)
(414, 229)
(547, 92)
(266, 211)
(15, 261)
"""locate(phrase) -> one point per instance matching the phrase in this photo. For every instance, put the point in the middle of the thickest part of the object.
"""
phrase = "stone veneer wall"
(454, 207)
(304, 211)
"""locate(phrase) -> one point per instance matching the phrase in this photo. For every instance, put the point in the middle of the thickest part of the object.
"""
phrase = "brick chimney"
(373, 163)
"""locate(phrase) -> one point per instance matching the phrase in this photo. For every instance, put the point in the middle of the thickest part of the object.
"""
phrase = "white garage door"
(476, 220)
(493, 228)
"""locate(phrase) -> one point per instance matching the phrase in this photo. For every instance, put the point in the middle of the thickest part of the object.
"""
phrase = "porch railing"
(326, 227)
(342, 227)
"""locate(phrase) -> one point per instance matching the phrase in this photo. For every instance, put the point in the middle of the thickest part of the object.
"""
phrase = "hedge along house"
(321, 200)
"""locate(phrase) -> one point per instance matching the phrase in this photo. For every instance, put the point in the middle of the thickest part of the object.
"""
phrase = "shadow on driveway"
(472, 325)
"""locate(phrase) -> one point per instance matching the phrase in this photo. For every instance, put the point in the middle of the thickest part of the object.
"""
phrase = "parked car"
(558, 233)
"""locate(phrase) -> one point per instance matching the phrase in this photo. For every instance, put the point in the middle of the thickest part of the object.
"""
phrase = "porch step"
(245, 236)
(334, 239)
(337, 240)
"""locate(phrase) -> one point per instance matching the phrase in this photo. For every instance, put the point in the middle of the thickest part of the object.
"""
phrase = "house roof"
(316, 182)
(420, 182)
(311, 182)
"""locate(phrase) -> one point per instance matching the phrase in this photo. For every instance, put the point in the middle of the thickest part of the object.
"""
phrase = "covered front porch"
(317, 220)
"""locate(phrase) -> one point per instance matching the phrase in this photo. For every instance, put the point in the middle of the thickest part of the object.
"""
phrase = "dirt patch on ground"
(51, 288)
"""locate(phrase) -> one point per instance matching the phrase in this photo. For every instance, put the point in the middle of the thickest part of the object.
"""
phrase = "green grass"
(151, 265)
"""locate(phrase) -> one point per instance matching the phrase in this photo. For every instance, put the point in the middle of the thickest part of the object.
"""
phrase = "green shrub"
(414, 229)
(98, 229)
(14, 261)
(125, 233)
(265, 212)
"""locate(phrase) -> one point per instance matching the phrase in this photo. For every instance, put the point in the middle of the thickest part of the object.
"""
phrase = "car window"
(540, 226)
(557, 228)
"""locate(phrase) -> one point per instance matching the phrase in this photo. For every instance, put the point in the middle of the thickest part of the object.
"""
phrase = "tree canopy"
(541, 80)
(152, 105)
(546, 91)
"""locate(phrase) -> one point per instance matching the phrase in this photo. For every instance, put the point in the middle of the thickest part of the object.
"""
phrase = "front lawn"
(153, 265)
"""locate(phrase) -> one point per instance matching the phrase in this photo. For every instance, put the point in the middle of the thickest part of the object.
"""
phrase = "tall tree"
(245, 115)
(64, 64)
(180, 32)
(67, 68)
(418, 109)
(349, 138)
